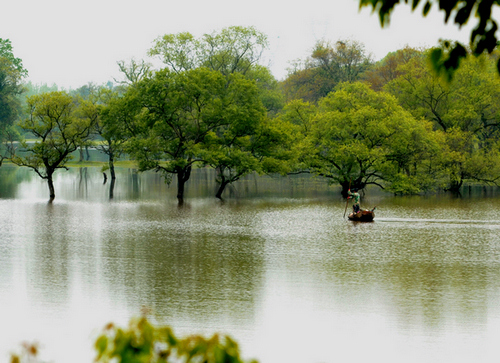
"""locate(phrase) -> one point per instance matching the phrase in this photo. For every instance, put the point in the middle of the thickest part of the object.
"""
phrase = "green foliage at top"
(6, 52)
(234, 49)
(142, 342)
(482, 37)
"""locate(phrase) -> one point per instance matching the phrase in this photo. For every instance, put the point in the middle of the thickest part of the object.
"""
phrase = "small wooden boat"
(362, 216)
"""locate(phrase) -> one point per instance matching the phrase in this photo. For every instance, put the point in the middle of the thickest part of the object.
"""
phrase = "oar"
(347, 202)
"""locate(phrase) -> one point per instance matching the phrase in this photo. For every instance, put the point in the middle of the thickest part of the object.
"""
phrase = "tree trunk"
(112, 166)
(222, 186)
(345, 187)
(52, 192)
(455, 186)
(81, 154)
(183, 175)
(111, 188)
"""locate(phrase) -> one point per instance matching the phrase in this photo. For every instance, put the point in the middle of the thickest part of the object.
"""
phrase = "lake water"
(275, 265)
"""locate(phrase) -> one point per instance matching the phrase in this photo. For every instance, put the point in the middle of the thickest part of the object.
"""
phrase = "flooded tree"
(360, 137)
(58, 131)
(235, 50)
(185, 118)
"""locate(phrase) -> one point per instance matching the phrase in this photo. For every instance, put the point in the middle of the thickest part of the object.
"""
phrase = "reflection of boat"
(362, 216)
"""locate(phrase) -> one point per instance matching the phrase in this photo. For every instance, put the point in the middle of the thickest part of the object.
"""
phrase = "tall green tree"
(12, 73)
(113, 120)
(181, 113)
(59, 130)
(234, 49)
(234, 52)
(355, 134)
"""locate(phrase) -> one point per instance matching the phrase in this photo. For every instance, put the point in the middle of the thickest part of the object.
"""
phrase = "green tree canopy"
(358, 137)
(466, 109)
(178, 113)
(234, 49)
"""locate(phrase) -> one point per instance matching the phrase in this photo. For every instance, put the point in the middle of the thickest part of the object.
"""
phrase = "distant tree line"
(338, 114)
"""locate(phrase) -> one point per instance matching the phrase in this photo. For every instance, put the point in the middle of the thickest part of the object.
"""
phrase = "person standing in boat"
(355, 199)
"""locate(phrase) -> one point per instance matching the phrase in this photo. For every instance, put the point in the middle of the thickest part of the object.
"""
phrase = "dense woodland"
(338, 114)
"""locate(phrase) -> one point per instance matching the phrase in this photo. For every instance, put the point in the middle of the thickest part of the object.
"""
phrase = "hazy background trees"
(328, 65)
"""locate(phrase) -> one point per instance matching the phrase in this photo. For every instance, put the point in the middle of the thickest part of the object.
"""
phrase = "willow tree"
(58, 130)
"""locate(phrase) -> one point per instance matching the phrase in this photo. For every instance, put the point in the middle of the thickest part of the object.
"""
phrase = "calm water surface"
(275, 265)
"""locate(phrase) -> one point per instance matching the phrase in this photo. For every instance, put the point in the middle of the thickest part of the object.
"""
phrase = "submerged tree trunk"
(183, 175)
(52, 193)
(455, 185)
(111, 188)
(345, 187)
(112, 166)
(221, 188)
